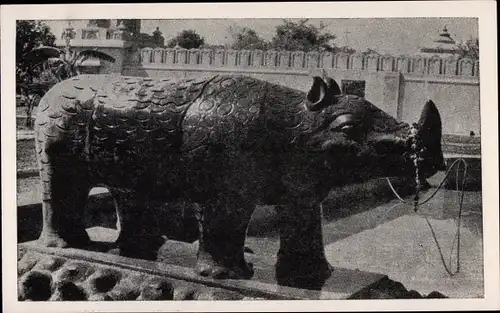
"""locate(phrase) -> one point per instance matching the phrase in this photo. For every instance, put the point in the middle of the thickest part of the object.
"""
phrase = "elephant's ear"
(332, 87)
(316, 96)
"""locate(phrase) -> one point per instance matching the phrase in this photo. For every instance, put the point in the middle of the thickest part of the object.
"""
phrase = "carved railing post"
(356, 62)
(182, 56)
(146, 55)
(312, 60)
(283, 59)
(169, 56)
(342, 61)
(206, 57)
(231, 58)
(418, 65)
(158, 55)
(435, 66)
(387, 63)
(219, 58)
(326, 60)
(298, 58)
(270, 58)
(466, 67)
(257, 58)
(372, 61)
(194, 57)
(244, 58)
(403, 64)
(450, 66)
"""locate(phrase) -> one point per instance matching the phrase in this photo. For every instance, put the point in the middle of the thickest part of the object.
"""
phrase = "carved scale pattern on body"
(62, 123)
(137, 125)
(227, 115)
(287, 117)
(243, 112)
(110, 120)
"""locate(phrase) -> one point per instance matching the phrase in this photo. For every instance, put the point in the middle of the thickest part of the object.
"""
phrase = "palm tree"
(50, 65)
(63, 63)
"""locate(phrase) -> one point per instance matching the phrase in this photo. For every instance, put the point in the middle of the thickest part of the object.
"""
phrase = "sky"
(385, 35)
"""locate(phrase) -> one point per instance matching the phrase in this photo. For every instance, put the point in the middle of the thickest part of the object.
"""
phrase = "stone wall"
(399, 85)
(299, 60)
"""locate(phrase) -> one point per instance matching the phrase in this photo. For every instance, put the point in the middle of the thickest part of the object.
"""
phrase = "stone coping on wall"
(201, 68)
(411, 77)
(442, 79)
(299, 60)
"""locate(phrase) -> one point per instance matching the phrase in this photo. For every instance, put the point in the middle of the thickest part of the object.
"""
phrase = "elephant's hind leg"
(64, 196)
(140, 236)
(222, 240)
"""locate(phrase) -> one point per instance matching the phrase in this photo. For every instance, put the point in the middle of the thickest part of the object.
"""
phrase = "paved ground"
(393, 240)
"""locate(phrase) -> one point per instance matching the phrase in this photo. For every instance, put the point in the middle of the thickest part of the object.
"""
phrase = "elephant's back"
(72, 96)
(63, 115)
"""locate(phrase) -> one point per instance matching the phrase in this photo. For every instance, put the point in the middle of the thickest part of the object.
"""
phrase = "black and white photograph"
(190, 157)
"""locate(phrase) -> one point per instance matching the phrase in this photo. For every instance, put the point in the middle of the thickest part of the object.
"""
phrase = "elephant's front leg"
(301, 258)
(223, 226)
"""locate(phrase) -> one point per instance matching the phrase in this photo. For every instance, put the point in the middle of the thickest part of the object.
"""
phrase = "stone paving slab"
(405, 250)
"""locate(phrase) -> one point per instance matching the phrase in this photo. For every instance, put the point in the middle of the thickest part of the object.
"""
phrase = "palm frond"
(96, 54)
(41, 54)
(55, 61)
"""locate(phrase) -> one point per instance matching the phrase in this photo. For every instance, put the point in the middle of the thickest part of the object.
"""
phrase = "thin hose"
(459, 217)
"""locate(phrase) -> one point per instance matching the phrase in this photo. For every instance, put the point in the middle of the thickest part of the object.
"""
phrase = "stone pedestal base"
(97, 274)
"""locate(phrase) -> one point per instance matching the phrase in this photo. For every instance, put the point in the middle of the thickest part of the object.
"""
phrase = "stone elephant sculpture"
(228, 143)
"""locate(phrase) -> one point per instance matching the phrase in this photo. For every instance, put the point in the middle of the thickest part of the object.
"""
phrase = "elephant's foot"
(51, 240)
(303, 272)
(78, 239)
(74, 239)
(206, 266)
(143, 248)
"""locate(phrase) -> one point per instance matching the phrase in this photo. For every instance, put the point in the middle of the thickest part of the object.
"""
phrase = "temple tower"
(444, 46)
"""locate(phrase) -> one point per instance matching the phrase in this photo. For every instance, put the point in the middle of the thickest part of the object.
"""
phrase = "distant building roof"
(443, 45)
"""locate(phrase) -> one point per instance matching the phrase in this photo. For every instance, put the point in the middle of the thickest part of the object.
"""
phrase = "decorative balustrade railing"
(298, 60)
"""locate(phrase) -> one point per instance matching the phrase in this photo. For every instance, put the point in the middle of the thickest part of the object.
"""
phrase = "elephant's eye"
(347, 127)
(345, 123)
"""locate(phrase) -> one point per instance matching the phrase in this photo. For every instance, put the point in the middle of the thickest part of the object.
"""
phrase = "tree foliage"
(143, 40)
(469, 49)
(39, 64)
(187, 39)
(302, 36)
(247, 39)
(216, 47)
(29, 35)
(344, 49)
(369, 51)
